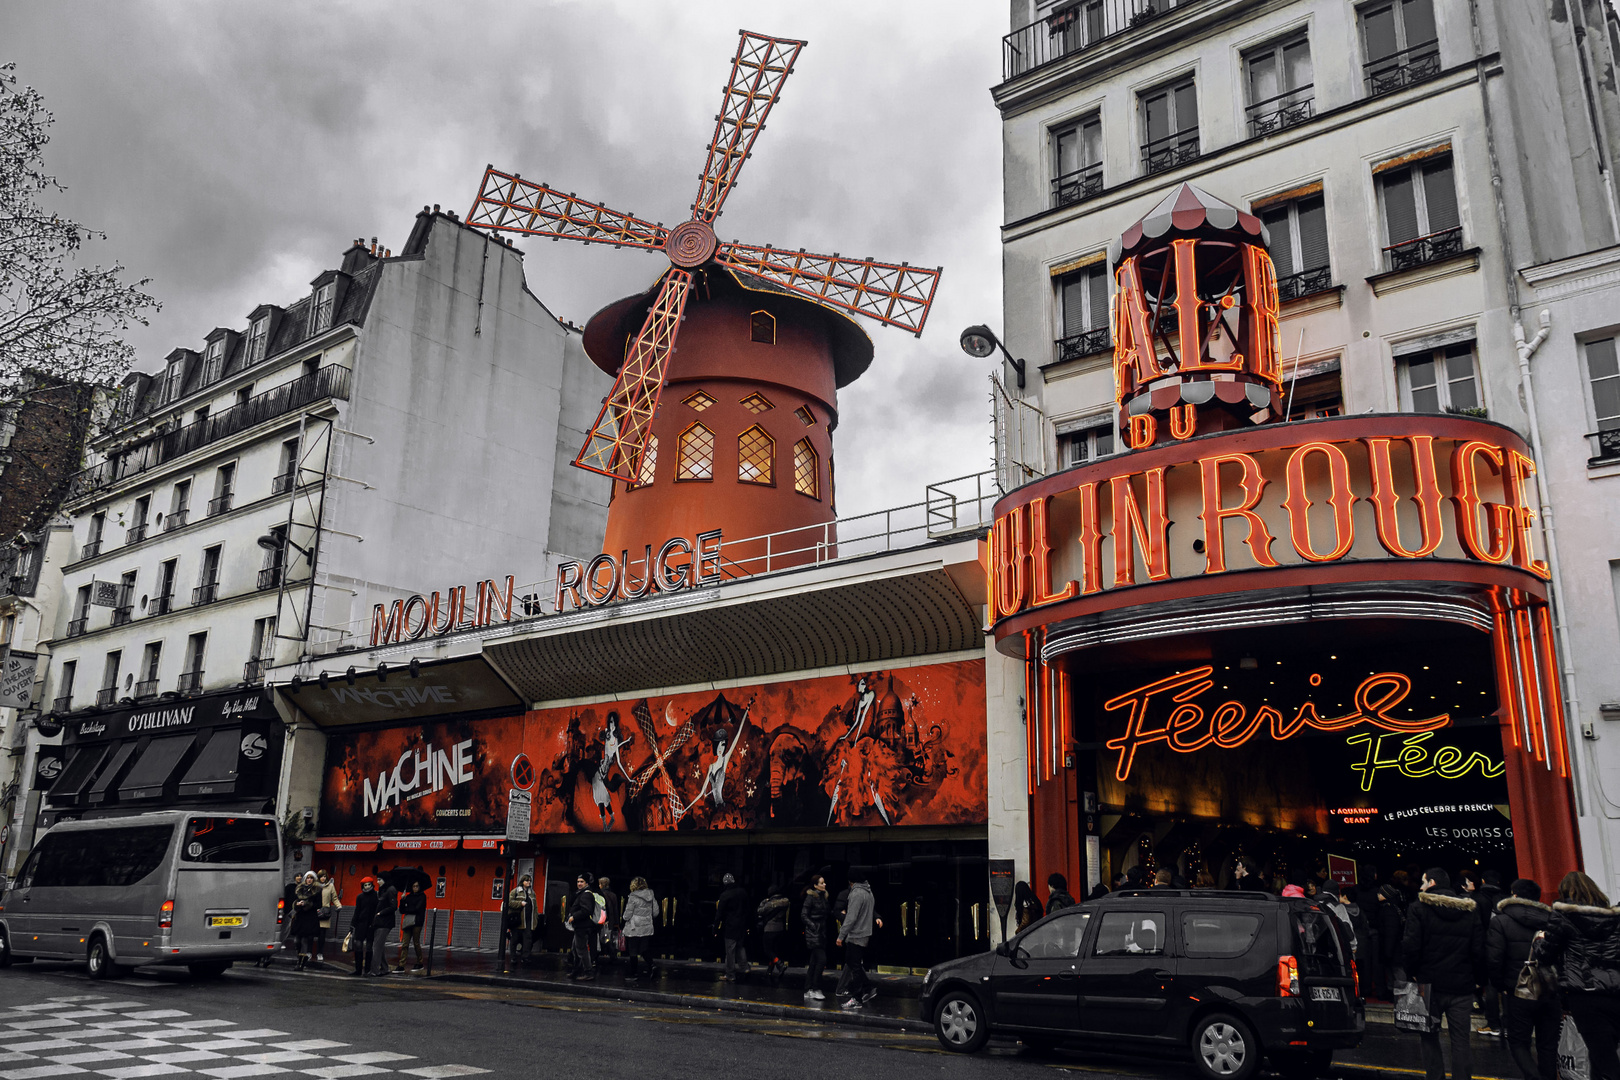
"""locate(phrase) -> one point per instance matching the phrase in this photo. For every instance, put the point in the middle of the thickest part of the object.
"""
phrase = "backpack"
(600, 917)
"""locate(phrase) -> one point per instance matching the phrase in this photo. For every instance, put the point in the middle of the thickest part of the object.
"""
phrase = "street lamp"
(276, 543)
(980, 342)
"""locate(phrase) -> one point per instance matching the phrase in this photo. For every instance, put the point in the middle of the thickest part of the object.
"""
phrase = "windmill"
(730, 277)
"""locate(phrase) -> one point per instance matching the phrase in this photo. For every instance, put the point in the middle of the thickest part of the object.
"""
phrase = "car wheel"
(98, 960)
(1302, 1064)
(1225, 1048)
(208, 969)
(960, 1023)
(5, 950)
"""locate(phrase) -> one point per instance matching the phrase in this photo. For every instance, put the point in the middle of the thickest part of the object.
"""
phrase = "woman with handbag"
(1583, 941)
(412, 909)
(306, 917)
(330, 902)
(1518, 918)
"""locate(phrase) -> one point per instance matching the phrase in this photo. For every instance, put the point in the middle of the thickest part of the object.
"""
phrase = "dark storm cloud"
(233, 150)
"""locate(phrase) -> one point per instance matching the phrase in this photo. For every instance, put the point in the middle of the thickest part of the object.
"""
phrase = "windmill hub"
(691, 244)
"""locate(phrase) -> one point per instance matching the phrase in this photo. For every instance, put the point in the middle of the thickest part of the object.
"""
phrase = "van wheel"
(98, 959)
(1225, 1048)
(5, 950)
(1302, 1064)
(208, 969)
(960, 1023)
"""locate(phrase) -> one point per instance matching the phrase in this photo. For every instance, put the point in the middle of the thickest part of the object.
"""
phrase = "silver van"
(173, 887)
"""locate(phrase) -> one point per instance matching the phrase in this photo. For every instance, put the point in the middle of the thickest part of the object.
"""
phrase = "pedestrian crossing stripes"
(91, 1036)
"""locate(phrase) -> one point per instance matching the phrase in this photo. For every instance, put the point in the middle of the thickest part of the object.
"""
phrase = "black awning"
(214, 771)
(77, 772)
(154, 767)
(109, 775)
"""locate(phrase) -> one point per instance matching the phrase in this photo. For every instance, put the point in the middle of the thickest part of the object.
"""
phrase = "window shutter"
(1313, 237)
(1099, 298)
(1282, 240)
(1400, 207)
(1378, 31)
(1418, 17)
(1186, 107)
(1440, 196)
(1074, 319)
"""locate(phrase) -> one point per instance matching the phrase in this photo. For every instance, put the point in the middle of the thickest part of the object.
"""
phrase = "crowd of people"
(312, 903)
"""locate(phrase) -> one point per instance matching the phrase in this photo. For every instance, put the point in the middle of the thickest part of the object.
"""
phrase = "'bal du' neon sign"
(1188, 727)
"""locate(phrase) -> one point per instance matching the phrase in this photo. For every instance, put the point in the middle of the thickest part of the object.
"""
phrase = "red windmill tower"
(743, 439)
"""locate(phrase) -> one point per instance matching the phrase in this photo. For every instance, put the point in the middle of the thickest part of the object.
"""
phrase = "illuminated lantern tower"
(1195, 321)
(741, 440)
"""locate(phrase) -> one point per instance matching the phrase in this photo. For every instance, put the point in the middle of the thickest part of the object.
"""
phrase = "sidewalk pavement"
(699, 985)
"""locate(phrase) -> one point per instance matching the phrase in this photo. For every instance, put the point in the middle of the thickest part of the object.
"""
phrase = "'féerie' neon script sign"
(1188, 726)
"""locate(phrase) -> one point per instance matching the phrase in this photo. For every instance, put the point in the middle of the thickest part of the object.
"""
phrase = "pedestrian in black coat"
(365, 909)
(813, 917)
(732, 911)
(1057, 893)
(1444, 946)
(1583, 942)
(1390, 922)
(382, 924)
(1508, 939)
(582, 921)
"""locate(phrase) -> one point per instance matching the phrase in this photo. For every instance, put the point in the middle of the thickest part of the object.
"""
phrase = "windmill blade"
(898, 295)
(614, 445)
(508, 203)
(758, 70)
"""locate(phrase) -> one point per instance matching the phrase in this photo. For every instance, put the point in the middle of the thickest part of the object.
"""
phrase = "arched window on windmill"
(806, 469)
(696, 458)
(756, 455)
(763, 326)
(649, 463)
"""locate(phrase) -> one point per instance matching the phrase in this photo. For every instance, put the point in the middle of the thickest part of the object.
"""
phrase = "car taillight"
(1356, 975)
(1287, 976)
(281, 910)
(166, 915)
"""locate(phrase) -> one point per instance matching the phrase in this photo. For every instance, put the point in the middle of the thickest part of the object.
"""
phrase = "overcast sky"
(232, 150)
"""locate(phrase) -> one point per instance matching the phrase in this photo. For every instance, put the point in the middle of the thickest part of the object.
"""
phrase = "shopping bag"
(348, 941)
(1412, 1012)
(1573, 1062)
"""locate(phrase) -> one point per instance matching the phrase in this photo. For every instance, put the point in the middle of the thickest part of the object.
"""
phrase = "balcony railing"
(190, 681)
(1425, 249)
(146, 688)
(1170, 151)
(123, 614)
(270, 577)
(1087, 343)
(1304, 283)
(1283, 111)
(176, 519)
(1405, 68)
(205, 594)
(62, 704)
(1078, 186)
(1074, 28)
(76, 626)
(283, 483)
(328, 382)
(106, 696)
(92, 548)
(1605, 445)
(135, 534)
(162, 605)
(219, 505)
(253, 671)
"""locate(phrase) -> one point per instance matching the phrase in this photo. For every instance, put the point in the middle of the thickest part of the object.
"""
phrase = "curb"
(700, 1001)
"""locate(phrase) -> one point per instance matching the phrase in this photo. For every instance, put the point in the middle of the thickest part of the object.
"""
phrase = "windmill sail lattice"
(896, 294)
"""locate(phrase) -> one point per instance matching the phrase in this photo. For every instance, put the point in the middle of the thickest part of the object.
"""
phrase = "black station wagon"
(1231, 977)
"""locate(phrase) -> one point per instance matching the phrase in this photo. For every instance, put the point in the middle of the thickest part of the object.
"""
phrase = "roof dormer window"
(258, 339)
(174, 378)
(214, 361)
(320, 308)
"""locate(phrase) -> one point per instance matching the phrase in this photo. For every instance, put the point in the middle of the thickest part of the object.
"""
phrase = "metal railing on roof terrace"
(950, 508)
(328, 382)
(1074, 27)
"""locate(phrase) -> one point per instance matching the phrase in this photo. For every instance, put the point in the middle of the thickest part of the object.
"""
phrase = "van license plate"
(1318, 993)
(236, 920)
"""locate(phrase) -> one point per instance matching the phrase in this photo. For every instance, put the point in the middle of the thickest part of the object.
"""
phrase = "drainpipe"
(1526, 350)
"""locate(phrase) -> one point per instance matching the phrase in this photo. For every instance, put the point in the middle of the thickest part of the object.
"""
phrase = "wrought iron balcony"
(1078, 186)
(1075, 27)
(135, 534)
(253, 671)
(76, 627)
(190, 682)
(1304, 283)
(146, 688)
(1405, 68)
(1087, 343)
(162, 605)
(270, 577)
(283, 483)
(205, 594)
(92, 548)
(62, 704)
(219, 505)
(123, 614)
(176, 519)
(331, 381)
(1283, 111)
(1170, 151)
(106, 696)
(1605, 446)
(1423, 250)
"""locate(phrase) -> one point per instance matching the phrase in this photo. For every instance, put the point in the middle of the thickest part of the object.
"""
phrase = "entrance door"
(1126, 979)
(1039, 988)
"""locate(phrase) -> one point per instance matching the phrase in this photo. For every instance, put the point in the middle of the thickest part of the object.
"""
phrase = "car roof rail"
(1198, 894)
